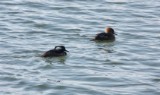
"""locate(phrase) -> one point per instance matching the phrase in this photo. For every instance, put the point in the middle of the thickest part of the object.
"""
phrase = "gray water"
(128, 66)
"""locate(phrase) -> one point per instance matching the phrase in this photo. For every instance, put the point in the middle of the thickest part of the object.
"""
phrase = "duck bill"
(115, 33)
(66, 50)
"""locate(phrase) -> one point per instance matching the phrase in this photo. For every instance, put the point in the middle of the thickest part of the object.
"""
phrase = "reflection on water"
(53, 60)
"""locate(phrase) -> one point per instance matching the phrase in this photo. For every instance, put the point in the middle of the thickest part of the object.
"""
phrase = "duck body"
(108, 35)
(56, 52)
(104, 37)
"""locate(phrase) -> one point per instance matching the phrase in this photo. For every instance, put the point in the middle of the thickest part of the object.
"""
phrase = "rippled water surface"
(128, 66)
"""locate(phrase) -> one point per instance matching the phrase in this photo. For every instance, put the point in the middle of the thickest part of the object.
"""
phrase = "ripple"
(128, 66)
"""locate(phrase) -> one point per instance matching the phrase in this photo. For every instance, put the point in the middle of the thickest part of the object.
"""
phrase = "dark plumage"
(108, 35)
(57, 51)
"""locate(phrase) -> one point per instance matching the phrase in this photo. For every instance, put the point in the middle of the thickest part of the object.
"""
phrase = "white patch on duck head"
(58, 48)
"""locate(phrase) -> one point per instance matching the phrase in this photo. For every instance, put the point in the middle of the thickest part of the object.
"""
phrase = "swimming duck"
(108, 35)
(57, 51)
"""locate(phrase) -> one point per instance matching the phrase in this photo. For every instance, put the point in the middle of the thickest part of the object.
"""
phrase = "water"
(128, 66)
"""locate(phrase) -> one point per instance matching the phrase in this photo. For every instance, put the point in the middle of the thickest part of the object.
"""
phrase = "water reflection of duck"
(108, 35)
(56, 52)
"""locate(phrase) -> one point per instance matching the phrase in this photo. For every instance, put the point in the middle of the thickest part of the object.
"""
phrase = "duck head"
(60, 49)
(110, 31)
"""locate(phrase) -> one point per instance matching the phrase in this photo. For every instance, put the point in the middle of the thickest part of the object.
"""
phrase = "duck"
(56, 52)
(108, 35)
